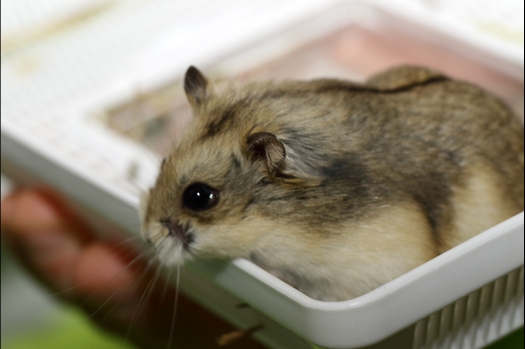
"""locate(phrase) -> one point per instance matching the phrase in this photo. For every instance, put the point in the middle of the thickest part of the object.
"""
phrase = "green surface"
(71, 331)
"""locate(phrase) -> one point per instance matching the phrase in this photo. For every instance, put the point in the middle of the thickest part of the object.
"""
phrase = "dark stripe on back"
(331, 85)
(341, 85)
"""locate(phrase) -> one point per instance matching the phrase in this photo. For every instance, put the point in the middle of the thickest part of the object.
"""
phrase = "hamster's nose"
(175, 230)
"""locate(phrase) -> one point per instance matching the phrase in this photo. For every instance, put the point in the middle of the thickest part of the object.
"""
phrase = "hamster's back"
(451, 147)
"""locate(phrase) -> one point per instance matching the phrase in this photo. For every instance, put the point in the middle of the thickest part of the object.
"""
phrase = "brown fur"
(338, 187)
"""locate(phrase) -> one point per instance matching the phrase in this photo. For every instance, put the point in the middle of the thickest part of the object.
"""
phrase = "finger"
(42, 234)
(27, 210)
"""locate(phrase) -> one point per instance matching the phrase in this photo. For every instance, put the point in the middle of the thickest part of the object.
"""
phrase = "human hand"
(104, 278)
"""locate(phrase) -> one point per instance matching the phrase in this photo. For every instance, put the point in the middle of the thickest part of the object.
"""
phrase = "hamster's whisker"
(128, 240)
(160, 241)
(145, 295)
(133, 261)
(139, 280)
(92, 314)
(166, 284)
(175, 305)
(155, 240)
(121, 246)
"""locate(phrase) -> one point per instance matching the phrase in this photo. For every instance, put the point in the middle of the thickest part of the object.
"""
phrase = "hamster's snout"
(171, 241)
(175, 230)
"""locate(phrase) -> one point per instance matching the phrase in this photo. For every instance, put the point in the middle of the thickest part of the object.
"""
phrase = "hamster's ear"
(266, 147)
(196, 86)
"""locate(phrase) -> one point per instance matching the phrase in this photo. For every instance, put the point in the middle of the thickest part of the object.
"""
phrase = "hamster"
(333, 186)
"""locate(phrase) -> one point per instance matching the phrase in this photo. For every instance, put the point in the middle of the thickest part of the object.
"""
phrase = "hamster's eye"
(200, 197)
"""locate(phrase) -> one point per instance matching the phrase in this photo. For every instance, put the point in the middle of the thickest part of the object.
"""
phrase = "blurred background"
(90, 42)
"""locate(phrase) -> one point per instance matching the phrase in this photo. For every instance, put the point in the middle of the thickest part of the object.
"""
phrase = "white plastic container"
(465, 298)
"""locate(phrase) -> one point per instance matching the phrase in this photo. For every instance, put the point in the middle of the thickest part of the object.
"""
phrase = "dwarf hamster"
(335, 187)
